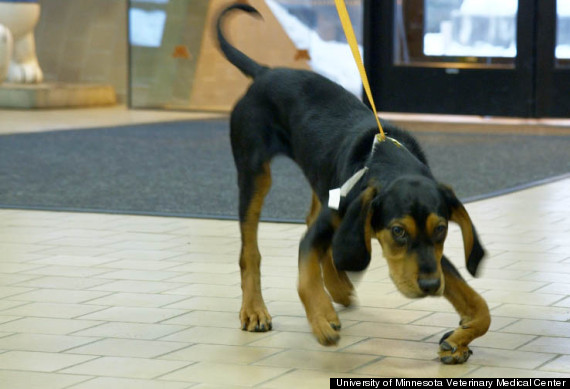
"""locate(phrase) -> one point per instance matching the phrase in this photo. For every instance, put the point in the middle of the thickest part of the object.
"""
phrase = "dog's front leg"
(318, 306)
(475, 317)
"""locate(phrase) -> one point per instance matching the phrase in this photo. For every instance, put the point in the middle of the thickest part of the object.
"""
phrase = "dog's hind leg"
(474, 313)
(254, 186)
(337, 282)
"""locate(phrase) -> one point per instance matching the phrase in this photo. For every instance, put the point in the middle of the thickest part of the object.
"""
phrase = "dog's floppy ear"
(351, 242)
(473, 250)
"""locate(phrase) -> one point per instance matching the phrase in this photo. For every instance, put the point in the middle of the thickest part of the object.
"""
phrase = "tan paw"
(451, 353)
(254, 317)
(326, 331)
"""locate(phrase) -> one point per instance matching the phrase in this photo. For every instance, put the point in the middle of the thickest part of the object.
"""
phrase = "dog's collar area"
(336, 194)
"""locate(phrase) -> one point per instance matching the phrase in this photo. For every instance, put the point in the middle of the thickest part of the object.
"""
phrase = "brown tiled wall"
(84, 41)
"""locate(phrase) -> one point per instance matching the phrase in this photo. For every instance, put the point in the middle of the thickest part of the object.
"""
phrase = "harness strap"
(335, 195)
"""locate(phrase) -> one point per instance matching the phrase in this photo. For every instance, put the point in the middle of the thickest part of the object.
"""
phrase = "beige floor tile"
(55, 310)
(210, 279)
(12, 267)
(76, 251)
(130, 330)
(241, 355)
(209, 304)
(134, 314)
(14, 279)
(75, 260)
(143, 300)
(563, 303)
(128, 383)
(127, 348)
(500, 296)
(414, 368)
(309, 379)
(207, 291)
(451, 320)
(546, 344)
(77, 283)
(394, 348)
(381, 315)
(209, 373)
(59, 296)
(126, 367)
(539, 327)
(135, 286)
(532, 312)
(207, 319)
(546, 277)
(141, 255)
(507, 285)
(34, 380)
(211, 268)
(5, 306)
(287, 308)
(9, 291)
(556, 288)
(317, 360)
(6, 319)
(42, 362)
(510, 359)
(42, 343)
(560, 365)
(429, 305)
(393, 331)
(208, 335)
(47, 326)
(502, 340)
(133, 264)
(378, 299)
(141, 275)
(303, 341)
(299, 324)
(67, 271)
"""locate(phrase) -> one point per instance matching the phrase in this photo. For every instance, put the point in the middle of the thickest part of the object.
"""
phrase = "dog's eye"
(439, 232)
(398, 233)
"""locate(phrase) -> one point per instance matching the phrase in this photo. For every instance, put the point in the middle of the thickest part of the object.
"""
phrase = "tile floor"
(114, 301)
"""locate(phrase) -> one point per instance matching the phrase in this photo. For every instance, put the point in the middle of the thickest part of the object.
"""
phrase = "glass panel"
(562, 52)
(455, 33)
(176, 64)
(165, 37)
(314, 26)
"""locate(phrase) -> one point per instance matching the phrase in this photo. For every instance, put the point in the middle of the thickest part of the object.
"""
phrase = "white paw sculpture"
(18, 61)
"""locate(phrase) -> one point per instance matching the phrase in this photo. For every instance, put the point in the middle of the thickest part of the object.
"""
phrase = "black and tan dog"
(394, 197)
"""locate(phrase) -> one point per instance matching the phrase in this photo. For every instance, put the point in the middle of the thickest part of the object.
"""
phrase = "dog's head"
(410, 220)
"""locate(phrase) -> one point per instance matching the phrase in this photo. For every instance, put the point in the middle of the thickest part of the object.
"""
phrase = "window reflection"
(468, 32)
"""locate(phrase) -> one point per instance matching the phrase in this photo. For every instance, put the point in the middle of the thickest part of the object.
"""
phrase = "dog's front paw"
(326, 331)
(451, 353)
(254, 317)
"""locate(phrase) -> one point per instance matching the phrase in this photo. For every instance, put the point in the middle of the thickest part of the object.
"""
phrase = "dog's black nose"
(429, 285)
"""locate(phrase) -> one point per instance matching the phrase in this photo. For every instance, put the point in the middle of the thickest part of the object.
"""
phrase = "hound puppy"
(388, 192)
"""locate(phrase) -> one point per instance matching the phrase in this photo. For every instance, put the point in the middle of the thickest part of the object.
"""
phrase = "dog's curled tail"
(247, 65)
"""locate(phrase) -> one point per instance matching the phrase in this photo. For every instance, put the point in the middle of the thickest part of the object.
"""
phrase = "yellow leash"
(351, 39)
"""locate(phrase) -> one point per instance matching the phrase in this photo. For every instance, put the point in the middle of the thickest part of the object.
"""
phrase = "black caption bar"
(483, 383)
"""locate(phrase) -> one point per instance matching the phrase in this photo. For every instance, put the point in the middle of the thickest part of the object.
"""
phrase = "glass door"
(482, 57)
(553, 59)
